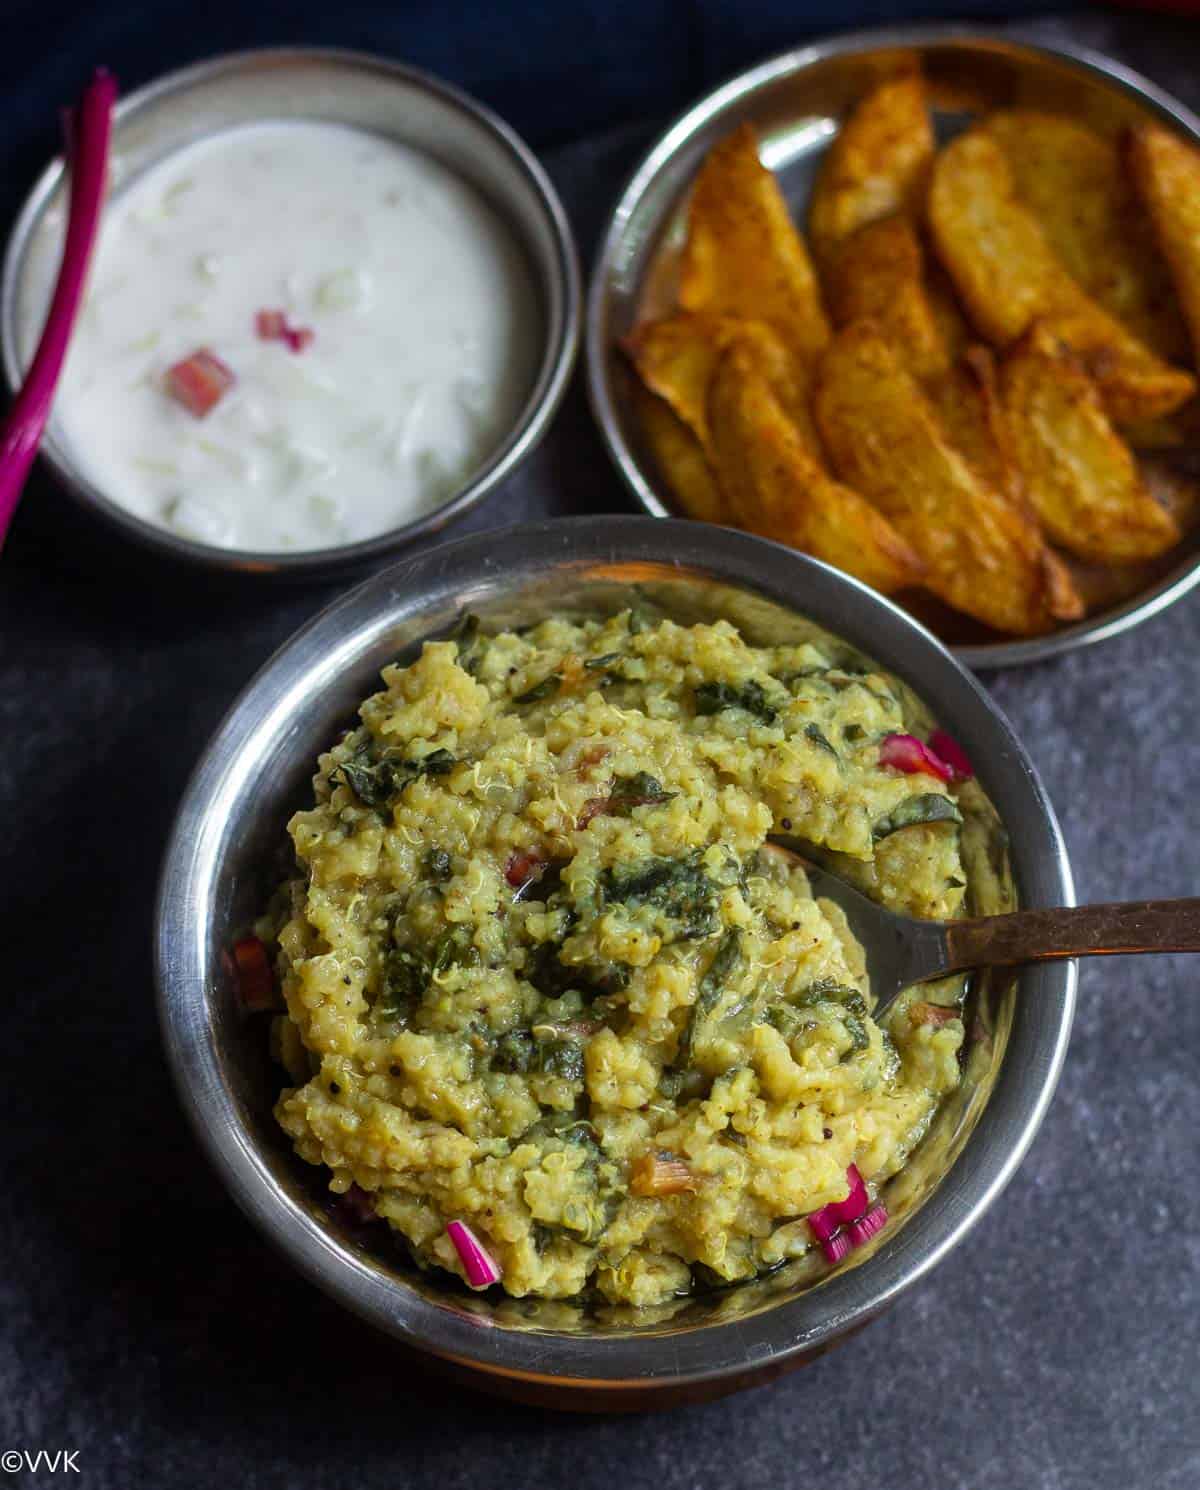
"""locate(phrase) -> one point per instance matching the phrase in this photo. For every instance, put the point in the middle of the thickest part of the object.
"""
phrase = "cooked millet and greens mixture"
(552, 999)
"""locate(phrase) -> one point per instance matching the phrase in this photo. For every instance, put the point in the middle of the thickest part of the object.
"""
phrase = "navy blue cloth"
(556, 71)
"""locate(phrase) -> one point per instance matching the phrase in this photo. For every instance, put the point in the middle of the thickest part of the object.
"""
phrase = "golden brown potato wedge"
(1170, 432)
(1166, 171)
(967, 400)
(1102, 585)
(680, 460)
(878, 165)
(744, 255)
(1077, 186)
(1081, 478)
(992, 248)
(985, 556)
(1134, 384)
(1008, 277)
(956, 334)
(775, 487)
(677, 355)
(1063, 598)
(1178, 491)
(879, 275)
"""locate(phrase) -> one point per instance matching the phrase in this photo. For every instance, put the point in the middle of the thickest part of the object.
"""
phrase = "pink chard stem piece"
(477, 1261)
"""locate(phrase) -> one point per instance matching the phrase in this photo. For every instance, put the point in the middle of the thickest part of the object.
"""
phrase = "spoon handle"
(1074, 931)
(88, 134)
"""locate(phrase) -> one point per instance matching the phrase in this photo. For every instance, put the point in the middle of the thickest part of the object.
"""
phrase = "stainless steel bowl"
(224, 854)
(369, 93)
(796, 102)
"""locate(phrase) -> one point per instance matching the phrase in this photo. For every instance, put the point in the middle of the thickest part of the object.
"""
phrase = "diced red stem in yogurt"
(273, 325)
(269, 324)
(200, 382)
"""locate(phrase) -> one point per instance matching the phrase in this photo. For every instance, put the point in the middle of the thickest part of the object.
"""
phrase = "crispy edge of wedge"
(676, 356)
(1080, 477)
(985, 555)
(1178, 490)
(877, 165)
(879, 275)
(1008, 276)
(775, 487)
(1166, 172)
(679, 459)
(968, 403)
(1080, 188)
(744, 254)
(1103, 585)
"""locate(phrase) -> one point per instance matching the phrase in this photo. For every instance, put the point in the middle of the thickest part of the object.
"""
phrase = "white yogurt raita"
(424, 322)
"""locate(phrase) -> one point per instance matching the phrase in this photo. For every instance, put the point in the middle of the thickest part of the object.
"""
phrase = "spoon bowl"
(901, 950)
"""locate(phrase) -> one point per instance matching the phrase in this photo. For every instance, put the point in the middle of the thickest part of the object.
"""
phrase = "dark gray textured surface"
(143, 1324)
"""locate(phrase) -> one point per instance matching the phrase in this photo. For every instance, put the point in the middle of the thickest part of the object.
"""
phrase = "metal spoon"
(901, 951)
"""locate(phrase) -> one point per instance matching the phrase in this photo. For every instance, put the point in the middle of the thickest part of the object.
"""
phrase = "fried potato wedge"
(775, 487)
(679, 458)
(744, 255)
(879, 276)
(1102, 585)
(1008, 277)
(956, 334)
(1134, 384)
(1177, 490)
(1080, 477)
(878, 165)
(677, 355)
(968, 403)
(991, 246)
(1078, 188)
(1166, 171)
(985, 556)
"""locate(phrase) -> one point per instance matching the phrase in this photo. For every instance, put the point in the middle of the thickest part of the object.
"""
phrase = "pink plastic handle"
(87, 159)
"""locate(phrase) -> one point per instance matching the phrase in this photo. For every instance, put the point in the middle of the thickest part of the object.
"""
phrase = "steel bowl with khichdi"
(557, 1011)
